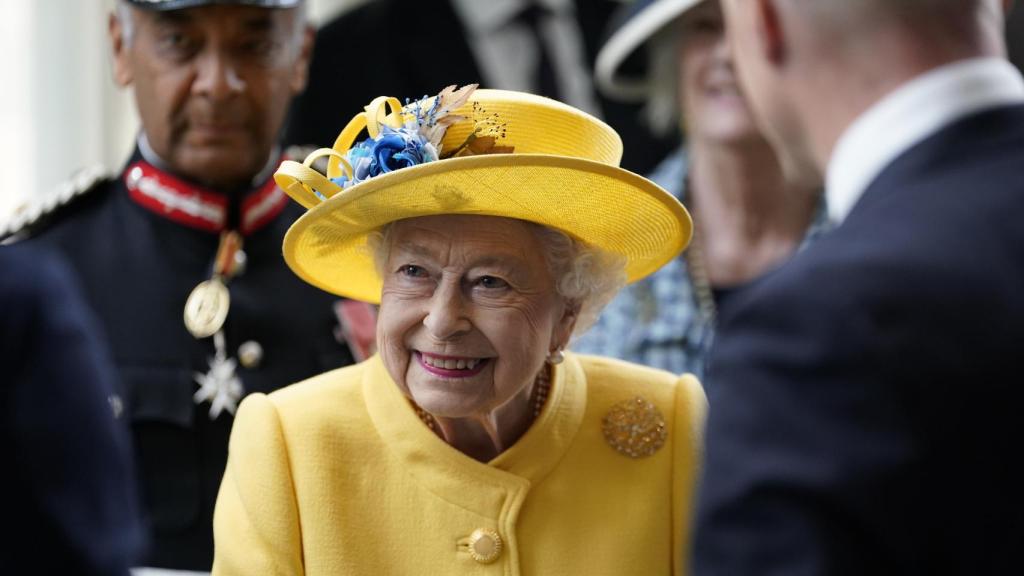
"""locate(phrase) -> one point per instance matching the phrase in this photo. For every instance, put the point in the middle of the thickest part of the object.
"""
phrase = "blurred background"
(60, 109)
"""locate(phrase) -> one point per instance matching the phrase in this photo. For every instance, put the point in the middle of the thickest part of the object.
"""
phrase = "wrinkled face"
(714, 106)
(213, 84)
(468, 312)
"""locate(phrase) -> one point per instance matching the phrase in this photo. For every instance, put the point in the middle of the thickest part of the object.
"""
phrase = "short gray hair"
(585, 276)
(943, 21)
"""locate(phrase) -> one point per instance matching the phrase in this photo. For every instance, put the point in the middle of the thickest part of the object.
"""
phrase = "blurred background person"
(179, 254)
(68, 473)
(747, 218)
(865, 408)
(409, 48)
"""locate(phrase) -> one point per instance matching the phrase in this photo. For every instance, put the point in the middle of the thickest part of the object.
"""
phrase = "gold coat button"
(484, 545)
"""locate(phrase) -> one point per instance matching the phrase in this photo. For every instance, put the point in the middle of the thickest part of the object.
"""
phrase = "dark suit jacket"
(865, 400)
(67, 475)
(410, 49)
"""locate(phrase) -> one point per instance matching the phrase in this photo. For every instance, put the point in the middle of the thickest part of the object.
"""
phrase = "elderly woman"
(747, 218)
(490, 226)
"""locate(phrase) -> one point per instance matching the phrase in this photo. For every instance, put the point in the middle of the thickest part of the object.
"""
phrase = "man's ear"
(770, 33)
(119, 49)
(300, 75)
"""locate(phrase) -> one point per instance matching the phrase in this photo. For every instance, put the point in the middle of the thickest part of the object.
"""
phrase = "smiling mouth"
(451, 366)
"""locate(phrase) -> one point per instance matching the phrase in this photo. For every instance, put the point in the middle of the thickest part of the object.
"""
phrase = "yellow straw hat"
(473, 152)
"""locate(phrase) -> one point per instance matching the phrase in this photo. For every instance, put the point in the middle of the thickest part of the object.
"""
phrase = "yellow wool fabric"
(337, 475)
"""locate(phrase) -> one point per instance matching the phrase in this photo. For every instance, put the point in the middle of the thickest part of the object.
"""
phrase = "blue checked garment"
(657, 321)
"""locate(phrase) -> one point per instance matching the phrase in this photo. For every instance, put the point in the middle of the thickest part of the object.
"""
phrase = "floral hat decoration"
(473, 152)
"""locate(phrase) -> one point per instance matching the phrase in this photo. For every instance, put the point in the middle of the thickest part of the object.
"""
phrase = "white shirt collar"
(909, 115)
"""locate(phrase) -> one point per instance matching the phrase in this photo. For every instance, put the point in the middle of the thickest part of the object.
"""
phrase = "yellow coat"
(337, 475)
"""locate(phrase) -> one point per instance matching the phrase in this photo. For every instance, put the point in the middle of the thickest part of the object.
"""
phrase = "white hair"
(586, 277)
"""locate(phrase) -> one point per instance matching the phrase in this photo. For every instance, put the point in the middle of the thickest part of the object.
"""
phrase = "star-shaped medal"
(220, 385)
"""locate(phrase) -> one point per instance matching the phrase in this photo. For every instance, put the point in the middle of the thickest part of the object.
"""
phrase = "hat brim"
(633, 34)
(602, 205)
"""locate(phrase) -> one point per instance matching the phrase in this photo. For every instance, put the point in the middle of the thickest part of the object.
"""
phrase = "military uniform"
(140, 243)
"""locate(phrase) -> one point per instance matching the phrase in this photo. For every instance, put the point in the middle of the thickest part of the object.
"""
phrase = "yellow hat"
(474, 152)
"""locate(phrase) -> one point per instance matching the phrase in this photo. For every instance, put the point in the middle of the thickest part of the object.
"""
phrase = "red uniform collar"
(198, 207)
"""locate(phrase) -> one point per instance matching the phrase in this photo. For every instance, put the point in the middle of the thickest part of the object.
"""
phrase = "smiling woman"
(490, 226)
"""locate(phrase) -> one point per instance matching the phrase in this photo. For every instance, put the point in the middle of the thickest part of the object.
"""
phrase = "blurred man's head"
(810, 67)
(212, 81)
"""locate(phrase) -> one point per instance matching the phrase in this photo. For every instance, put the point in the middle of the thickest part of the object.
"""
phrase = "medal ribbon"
(225, 264)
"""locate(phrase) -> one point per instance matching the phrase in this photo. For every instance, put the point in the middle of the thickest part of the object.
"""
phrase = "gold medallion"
(207, 308)
(635, 428)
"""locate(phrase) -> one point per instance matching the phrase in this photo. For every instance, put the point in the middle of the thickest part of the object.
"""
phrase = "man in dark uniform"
(180, 254)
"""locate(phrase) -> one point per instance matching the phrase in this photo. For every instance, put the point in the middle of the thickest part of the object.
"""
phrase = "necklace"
(694, 256)
(541, 389)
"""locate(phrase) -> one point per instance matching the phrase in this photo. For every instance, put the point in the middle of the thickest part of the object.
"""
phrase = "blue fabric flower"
(392, 152)
(392, 149)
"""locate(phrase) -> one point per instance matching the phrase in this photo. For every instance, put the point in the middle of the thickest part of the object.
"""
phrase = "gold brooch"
(635, 428)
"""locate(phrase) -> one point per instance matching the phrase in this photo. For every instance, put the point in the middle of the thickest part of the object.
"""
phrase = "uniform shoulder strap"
(35, 212)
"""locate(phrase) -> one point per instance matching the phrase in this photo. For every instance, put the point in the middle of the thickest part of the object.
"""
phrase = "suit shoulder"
(43, 210)
(39, 277)
(617, 379)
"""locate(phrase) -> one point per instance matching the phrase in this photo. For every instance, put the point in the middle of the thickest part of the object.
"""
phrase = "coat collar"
(445, 471)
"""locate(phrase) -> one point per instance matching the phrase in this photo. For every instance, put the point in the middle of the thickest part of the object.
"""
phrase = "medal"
(220, 386)
(207, 308)
(205, 312)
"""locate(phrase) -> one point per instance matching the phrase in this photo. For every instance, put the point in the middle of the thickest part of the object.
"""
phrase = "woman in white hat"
(747, 218)
(490, 226)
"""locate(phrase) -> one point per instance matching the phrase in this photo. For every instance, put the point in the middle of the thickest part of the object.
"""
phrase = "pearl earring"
(555, 357)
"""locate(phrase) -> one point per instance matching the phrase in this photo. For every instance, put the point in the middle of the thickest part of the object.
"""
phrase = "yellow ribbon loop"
(344, 142)
(338, 157)
(302, 182)
(376, 114)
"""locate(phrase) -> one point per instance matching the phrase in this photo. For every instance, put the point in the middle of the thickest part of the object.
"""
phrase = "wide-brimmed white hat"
(644, 19)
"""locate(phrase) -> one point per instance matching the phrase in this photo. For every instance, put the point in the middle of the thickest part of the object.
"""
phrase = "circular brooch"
(635, 428)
